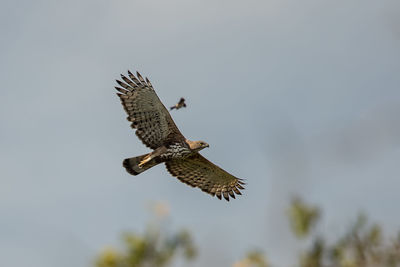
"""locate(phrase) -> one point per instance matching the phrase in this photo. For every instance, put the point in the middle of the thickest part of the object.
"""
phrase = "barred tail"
(132, 164)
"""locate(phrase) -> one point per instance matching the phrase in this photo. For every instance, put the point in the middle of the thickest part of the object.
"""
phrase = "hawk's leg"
(145, 160)
(152, 156)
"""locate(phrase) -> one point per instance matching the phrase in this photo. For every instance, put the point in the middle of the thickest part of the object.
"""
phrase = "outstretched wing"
(146, 112)
(197, 171)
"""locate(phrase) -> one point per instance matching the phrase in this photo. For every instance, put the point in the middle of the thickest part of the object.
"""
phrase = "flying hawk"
(156, 129)
(179, 105)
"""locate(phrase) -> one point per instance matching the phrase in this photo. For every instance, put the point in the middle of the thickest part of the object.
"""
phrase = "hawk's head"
(197, 145)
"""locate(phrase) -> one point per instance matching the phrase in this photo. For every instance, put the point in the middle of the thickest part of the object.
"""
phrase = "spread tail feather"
(132, 164)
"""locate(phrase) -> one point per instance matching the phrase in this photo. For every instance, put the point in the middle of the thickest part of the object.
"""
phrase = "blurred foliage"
(155, 248)
(150, 249)
(253, 259)
(362, 245)
(302, 217)
(314, 256)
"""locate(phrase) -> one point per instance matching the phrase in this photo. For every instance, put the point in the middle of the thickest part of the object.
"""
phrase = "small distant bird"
(180, 104)
(155, 127)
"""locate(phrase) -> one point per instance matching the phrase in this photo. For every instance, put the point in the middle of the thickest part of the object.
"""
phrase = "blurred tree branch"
(155, 248)
(362, 245)
(302, 217)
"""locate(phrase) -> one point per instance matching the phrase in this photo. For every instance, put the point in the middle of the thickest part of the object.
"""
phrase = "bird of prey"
(180, 104)
(156, 129)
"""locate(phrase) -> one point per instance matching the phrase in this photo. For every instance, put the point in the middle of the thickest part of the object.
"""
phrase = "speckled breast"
(176, 151)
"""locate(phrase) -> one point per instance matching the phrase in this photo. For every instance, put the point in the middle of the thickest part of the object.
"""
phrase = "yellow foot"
(144, 161)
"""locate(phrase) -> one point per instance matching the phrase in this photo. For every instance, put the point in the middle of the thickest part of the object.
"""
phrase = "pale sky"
(297, 97)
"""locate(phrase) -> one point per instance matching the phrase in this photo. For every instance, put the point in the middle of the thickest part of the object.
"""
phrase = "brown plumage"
(179, 105)
(155, 127)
